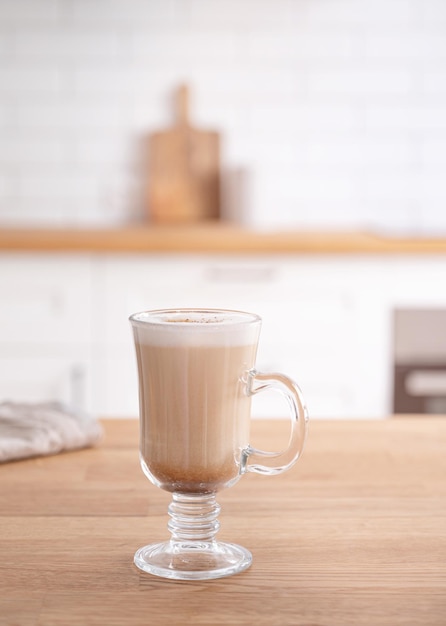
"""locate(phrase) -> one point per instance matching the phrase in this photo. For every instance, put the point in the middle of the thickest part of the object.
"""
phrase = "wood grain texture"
(355, 534)
(212, 237)
(184, 170)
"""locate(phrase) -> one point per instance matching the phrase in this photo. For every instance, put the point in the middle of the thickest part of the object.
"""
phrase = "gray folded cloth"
(28, 430)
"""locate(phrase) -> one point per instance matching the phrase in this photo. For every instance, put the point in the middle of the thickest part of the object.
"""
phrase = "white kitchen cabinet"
(318, 323)
(327, 321)
(45, 299)
(46, 328)
(133, 283)
(306, 318)
(36, 376)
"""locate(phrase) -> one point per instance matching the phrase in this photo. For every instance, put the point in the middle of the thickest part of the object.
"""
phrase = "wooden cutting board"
(184, 170)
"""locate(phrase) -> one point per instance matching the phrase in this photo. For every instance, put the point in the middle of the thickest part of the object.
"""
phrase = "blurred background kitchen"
(310, 115)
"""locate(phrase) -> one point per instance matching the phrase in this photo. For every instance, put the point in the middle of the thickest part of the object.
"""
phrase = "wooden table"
(355, 534)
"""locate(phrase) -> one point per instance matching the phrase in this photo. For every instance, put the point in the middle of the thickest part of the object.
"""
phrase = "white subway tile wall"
(335, 109)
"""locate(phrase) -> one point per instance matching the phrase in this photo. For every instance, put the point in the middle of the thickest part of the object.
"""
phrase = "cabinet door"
(34, 377)
(155, 281)
(134, 283)
(115, 382)
(45, 328)
(45, 299)
(306, 320)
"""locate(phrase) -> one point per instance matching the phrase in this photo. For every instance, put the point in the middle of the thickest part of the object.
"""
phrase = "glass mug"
(196, 378)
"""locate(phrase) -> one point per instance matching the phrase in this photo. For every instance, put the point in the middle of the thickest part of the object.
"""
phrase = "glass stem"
(193, 518)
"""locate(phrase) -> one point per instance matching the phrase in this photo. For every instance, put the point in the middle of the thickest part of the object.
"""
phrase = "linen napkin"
(28, 430)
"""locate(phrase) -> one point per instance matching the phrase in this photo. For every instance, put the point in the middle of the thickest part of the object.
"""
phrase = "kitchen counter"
(212, 238)
(353, 534)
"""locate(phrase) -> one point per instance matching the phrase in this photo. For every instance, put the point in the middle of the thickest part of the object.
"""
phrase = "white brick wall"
(337, 108)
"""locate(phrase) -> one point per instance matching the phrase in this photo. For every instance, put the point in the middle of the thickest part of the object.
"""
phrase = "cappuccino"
(194, 410)
(196, 378)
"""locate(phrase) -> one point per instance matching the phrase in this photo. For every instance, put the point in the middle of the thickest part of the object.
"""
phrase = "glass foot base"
(193, 560)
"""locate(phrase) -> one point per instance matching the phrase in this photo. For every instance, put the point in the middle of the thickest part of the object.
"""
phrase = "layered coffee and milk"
(194, 411)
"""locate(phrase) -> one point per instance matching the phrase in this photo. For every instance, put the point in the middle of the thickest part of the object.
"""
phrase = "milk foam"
(191, 327)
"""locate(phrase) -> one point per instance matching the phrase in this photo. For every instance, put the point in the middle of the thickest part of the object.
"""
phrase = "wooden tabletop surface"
(213, 237)
(355, 534)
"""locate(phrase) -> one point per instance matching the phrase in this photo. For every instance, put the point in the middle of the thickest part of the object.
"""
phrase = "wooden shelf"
(211, 238)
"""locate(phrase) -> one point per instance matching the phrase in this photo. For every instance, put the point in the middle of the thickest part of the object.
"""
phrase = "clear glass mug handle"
(263, 462)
